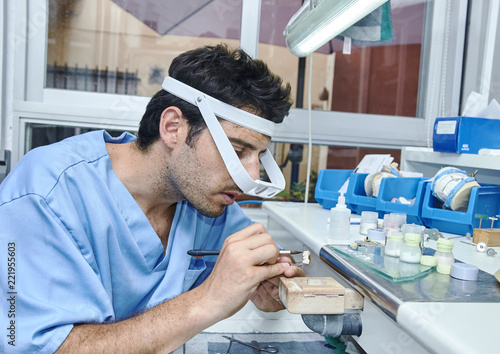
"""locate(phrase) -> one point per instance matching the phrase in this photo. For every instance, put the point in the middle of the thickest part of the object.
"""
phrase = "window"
(125, 47)
(380, 83)
(117, 51)
(379, 78)
(43, 134)
(483, 54)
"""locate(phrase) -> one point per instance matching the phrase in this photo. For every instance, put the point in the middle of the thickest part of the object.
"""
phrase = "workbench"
(433, 314)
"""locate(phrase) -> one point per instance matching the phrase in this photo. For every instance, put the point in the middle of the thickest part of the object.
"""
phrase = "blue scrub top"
(84, 250)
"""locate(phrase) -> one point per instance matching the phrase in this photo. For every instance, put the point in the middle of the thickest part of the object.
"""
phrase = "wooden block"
(497, 275)
(490, 236)
(312, 295)
(353, 300)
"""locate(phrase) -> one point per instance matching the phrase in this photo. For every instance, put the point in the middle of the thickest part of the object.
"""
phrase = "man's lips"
(229, 197)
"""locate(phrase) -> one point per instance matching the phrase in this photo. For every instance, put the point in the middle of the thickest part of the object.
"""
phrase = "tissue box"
(465, 134)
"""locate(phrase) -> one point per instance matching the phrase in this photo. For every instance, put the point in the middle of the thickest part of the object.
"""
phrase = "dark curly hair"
(231, 76)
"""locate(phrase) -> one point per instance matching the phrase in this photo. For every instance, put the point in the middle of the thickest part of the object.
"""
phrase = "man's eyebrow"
(244, 144)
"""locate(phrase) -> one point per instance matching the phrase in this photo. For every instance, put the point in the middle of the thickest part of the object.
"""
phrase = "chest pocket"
(198, 271)
(197, 267)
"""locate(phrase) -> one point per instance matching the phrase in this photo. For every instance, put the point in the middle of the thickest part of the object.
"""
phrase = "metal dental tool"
(201, 253)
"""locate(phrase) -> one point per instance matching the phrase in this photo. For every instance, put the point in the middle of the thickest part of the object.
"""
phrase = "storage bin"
(356, 198)
(465, 134)
(483, 200)
(407, 187)
(327, 186)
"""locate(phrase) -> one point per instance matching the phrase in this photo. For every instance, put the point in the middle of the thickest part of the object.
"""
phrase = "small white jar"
(369, 220)
(410, 251)
(394, 244)
(444, 255)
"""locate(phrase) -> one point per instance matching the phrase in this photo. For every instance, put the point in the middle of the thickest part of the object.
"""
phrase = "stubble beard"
(190, 185)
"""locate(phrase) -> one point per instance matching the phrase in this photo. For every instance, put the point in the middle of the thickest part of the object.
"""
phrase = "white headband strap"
(222, 109)
(210, 107)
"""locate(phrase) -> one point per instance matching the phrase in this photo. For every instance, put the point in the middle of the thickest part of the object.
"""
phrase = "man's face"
(200, 175)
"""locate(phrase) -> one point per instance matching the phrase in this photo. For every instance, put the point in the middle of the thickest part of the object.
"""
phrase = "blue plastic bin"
(356, 198)
(409, 188)
(329, 182)
(483, 200)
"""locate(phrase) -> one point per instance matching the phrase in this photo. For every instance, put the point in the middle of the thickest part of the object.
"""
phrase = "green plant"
(297, 189)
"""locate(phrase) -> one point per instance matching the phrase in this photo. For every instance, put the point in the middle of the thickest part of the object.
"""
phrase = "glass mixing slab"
(389, 267)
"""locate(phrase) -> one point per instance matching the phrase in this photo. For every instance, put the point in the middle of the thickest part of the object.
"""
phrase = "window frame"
(480, 56)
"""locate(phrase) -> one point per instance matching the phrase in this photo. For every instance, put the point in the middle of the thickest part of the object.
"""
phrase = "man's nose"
(252, 165)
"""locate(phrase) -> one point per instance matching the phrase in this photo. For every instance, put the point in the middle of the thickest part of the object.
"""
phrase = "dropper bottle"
(340, 221)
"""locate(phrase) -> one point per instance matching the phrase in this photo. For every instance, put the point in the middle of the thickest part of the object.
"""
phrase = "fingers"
(247, 258)
(266, 298)
(284, 259)
(293, 271)
(251, 252)
(271, 286)
(252, 244)
(252, 230)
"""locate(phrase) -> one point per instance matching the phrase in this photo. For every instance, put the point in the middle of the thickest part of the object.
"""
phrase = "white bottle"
(340, 221)
(369, 220)
(444, 255)
(410, 251)
(394, 244)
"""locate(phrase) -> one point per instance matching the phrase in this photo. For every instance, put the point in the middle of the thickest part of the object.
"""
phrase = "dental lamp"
(318, 21)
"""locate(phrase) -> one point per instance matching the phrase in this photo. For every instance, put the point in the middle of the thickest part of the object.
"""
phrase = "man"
(100, 226)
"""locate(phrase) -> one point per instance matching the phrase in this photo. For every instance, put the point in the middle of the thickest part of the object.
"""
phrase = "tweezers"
(254, 345)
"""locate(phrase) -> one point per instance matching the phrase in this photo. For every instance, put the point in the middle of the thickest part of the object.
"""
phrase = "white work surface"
(439, 327)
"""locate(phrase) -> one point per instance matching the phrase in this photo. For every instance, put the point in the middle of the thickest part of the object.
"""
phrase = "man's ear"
(172, 127)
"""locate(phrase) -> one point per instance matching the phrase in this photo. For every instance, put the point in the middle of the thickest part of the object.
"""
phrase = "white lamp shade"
(318, 21)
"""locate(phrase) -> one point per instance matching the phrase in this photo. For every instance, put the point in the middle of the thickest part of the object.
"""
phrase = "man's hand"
(266, 297)
(248, 259)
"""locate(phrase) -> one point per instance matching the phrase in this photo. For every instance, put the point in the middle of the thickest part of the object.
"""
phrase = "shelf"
(428, 162)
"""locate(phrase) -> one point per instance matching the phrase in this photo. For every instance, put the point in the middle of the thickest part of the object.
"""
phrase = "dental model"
(306, 257)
